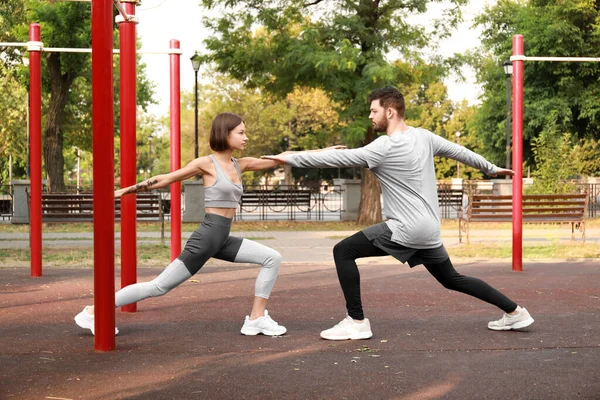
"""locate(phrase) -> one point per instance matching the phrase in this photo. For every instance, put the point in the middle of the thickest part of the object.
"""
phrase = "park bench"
(537, 209)
(78, 207)
(261, 199)
(449, 199)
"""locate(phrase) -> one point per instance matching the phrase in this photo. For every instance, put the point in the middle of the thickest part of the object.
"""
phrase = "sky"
(163, 20)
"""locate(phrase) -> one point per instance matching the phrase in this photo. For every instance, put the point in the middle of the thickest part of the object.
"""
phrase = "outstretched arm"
(445, 148)
(259, 164)
(195, 167)
(367, 157)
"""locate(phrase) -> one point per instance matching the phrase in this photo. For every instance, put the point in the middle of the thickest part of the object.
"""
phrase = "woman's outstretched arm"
(195, 167)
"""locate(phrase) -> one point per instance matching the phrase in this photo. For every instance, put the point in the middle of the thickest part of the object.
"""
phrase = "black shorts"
(381, 237)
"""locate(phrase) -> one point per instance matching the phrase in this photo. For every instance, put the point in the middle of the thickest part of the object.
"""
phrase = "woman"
(223, 190)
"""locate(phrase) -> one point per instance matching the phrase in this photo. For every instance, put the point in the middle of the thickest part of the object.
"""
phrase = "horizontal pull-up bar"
(557, 59)
(39, 46)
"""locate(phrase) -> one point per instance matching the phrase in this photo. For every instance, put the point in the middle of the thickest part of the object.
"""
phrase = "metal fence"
(6, 202)
(322, 202)
(270, 202)
(593, 191)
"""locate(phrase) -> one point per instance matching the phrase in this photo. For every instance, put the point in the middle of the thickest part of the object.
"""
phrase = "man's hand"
(280, 158)
(504, 171)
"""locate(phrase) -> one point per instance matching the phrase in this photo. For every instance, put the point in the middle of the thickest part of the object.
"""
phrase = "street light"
(457, 163)
(196, 61)
(150, 151)
(508, 70)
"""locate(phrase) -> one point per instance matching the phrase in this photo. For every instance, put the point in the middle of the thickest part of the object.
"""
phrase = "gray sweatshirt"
(403, 163)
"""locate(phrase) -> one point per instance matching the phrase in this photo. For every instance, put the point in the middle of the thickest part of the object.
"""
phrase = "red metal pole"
(35, 154)
(103, 169)
(174, 58)
(128, 150)
(517, 133)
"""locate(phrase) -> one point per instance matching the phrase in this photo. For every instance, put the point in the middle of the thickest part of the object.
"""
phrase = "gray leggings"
(211, 239)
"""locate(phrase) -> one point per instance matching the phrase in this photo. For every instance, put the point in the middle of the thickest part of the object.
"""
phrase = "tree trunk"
(53, 133)
(288, 177)
(369, 210)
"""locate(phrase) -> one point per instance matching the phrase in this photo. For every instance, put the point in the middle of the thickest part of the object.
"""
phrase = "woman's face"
(237, 139)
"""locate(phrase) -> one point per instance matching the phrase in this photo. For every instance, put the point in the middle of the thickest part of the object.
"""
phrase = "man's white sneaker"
(508, 322)
(348, 329)
(264, 325)
(86, 321)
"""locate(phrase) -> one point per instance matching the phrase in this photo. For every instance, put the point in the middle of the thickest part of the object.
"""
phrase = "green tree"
(66, 77)
(553, 154)
(558, 97)
(340, 46)
(13, 127)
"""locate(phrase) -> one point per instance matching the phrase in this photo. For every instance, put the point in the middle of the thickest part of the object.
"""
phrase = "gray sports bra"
(223, 193)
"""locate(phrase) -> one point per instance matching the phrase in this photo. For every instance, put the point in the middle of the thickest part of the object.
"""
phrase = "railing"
(270, 202)
(593, 191)
(6, 202)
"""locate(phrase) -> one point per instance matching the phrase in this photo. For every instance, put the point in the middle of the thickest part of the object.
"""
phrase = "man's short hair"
(389, 97)
(221, 126)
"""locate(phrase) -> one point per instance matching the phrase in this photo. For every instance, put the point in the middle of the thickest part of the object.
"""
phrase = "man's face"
(378, 117)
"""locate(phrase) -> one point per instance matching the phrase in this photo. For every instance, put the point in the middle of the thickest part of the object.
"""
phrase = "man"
(402, 160)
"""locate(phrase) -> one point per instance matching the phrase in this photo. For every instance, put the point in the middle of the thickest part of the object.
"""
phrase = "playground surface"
(428, 343)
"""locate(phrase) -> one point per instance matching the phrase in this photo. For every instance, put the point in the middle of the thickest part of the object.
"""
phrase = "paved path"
(429, 343)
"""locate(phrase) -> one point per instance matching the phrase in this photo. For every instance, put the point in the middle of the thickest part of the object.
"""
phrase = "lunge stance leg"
(515, 317)
(240, 250)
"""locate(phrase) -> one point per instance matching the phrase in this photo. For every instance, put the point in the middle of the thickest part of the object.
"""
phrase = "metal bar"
(128, 152)
(556, 59)
(103, 152)
(175, 95)
(517, 182)
(35, 105)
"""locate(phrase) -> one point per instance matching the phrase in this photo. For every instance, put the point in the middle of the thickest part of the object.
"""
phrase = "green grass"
(262, 226)
(238, 226)
(543, 251)
(159, 254)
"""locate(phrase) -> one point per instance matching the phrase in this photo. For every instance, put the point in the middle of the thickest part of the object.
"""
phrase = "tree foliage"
(341, 47)
(558, 96)
(66, 77)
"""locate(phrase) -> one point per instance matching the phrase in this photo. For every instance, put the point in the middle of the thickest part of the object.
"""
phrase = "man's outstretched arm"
(365, 157)
(445, 148)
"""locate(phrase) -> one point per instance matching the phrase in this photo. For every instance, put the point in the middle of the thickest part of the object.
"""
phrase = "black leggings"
(356, 246)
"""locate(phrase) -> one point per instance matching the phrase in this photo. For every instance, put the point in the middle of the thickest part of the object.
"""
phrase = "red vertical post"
(128, 149)
(103, 178)
(35, 154)
(517, 161)
(174, 58)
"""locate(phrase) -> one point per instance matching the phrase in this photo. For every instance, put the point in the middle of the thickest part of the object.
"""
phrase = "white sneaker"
(264, 325)
(348, 329)
(86, 321)
(508, 322)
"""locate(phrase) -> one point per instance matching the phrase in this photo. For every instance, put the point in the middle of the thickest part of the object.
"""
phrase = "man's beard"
(381, 126)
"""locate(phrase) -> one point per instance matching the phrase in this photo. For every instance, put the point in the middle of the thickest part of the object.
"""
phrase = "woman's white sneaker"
(512, 322)
(85, 320)
(264, 325)
(347, 329)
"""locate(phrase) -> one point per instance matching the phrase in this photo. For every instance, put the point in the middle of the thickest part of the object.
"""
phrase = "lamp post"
(508, 70)
(150, 152)
(457, 163)
(196, 61)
